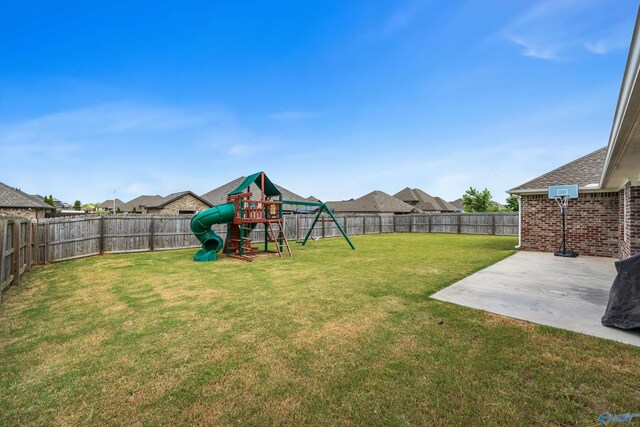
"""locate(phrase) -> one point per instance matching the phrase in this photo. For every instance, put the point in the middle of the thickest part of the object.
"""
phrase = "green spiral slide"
(201, 227)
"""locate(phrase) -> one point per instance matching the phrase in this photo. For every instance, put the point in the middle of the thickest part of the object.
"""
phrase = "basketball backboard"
(568, 191)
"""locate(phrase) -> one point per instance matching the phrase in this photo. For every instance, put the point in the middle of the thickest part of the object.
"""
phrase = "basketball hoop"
(562, 194)
(563, 202)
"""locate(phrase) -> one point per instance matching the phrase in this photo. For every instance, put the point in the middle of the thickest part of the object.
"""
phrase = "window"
(186, 212)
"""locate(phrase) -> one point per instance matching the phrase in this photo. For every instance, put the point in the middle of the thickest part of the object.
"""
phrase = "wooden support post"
(380, 218)
(46, 243)
(410, 223)
(459, 223)
(152, 234)
(493, 224)
(34, 243)
(394, 223)
(27, 249)
(16, 253)
(429, 222)
(297, 227)
(364, 225)
(323, 229)
(101, 241)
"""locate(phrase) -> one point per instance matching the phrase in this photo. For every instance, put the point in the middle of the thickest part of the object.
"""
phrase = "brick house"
(605, 218)
(183, 203)
(18, 203)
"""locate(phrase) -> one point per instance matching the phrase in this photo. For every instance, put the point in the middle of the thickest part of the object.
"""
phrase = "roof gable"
(407, 195)
(583, 171)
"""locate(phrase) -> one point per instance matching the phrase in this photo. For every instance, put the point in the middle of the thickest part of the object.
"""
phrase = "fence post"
(459, 223)
(493, 224)
(429, 222)
(394, 223)
(27, 249)
(34, 243)
(101, 241)
(380, 219)
(323, 228)
(410, 223)
(16, 253)
(152, 234)
(46, 243)
(297, 227)
(364, 225)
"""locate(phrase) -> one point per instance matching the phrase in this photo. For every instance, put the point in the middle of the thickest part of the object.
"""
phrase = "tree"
(512, 203)
(118, 210)
(77, 205)
(49, 201)
(134, 210)
(477, 201)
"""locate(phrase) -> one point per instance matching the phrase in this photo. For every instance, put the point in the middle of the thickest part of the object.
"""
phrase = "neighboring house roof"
(108, 204)
(584, 171)
(313, 199)
(218, 195)
(424, 201)
(11, 197)
(374, 202)
(445, 206)
(175, 196)
(457, 203)
(407, 195)
(141, 201)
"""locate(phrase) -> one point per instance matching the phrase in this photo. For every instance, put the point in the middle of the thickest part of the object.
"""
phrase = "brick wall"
(593, 226)
(185, 203)
(629, 215)
(25, 212)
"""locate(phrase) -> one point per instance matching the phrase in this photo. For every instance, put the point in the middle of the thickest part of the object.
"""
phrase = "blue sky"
(330, 98)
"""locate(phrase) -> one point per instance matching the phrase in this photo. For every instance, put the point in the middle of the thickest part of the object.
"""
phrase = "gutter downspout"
(519, 222)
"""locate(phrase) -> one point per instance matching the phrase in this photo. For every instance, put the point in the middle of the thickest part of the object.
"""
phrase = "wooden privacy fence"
(16, 250)
(24, 243)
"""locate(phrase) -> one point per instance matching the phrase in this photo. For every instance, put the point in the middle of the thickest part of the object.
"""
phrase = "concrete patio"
(567, 293)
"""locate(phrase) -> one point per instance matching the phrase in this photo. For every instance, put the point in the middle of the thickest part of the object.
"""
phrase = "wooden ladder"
(273, 238)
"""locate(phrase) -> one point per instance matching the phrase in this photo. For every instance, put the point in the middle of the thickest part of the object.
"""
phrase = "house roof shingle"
(583, 171)
(175, 196)
(143, 200)
(457, 203)
(374, 202)
(423, 200)
(14, 198)
(109, 204)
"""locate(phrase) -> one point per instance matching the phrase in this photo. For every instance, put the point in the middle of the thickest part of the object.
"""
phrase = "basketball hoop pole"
(563, 202)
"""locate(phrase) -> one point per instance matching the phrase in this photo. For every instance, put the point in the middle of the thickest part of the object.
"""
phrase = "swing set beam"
(323, 207)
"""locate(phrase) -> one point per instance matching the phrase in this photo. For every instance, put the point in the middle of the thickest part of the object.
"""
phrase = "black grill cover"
(623, 310)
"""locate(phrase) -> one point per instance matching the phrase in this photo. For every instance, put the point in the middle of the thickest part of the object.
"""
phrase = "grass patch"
(330, 337)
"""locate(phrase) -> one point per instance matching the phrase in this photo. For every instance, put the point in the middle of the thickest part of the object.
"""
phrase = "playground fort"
(242, 213)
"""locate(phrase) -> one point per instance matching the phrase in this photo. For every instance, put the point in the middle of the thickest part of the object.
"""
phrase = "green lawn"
(330, 337)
